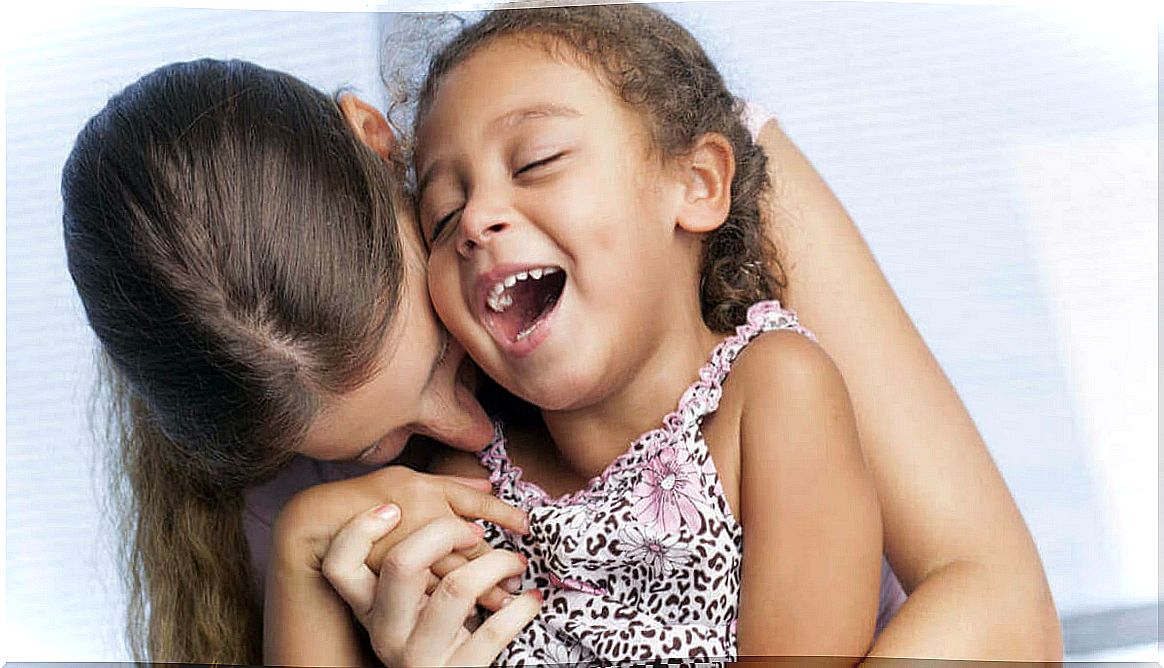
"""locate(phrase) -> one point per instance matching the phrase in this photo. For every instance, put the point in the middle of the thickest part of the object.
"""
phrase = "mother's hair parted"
(234, 246)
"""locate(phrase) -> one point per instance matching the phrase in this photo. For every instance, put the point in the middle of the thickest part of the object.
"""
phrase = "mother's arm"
(953, 533)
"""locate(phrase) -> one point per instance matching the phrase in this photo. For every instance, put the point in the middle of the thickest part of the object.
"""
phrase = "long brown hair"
(235, 249)
(657, 67)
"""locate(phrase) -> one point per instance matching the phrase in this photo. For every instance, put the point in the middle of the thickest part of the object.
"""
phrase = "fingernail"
(539, 595)
(478, 529)
(525, 525)
(512, 584)
(524, 559)
(387, 512)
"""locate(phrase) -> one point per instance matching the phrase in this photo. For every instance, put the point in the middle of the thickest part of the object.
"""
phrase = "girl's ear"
(707, 173)
(369, 124)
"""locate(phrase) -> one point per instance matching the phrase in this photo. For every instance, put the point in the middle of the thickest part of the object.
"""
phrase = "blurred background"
(1001, 161)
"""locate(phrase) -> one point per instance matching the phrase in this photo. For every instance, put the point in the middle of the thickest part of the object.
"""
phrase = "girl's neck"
(587, 439)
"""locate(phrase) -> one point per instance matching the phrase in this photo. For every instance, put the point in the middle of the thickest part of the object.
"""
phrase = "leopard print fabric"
(643, 564)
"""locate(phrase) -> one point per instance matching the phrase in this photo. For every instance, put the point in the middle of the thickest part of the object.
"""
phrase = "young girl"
(590, 197)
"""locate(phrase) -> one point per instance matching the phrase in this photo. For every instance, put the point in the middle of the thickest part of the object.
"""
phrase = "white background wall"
(1001, 161)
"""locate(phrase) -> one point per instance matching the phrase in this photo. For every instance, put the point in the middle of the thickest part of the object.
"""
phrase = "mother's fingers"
(343, 564)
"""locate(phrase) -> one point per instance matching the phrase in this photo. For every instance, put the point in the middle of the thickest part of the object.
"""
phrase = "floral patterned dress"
(643, 564)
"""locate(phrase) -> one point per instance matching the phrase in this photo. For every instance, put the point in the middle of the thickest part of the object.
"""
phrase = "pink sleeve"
(755, 117)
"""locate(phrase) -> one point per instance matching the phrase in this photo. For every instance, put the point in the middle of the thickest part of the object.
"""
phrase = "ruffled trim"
(698, 400)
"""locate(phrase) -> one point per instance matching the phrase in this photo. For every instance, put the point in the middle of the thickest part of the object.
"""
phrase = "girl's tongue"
(517, 310)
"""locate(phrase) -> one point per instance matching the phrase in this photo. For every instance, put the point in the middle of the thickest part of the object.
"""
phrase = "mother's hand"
(412, 618)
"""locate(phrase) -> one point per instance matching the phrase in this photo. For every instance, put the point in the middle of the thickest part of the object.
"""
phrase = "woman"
(284, 370)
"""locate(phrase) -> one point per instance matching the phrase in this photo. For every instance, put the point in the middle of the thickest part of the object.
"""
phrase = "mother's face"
(422, 381)
(421, 384)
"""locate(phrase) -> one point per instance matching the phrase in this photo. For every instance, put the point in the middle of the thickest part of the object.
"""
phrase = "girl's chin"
(550, 396)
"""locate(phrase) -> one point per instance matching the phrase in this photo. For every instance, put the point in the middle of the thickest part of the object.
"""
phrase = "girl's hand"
(309, 521)
(306, 622)
(412, 617)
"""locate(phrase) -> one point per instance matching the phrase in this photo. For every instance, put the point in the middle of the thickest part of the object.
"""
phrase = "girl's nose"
(481, 237)
(480, 224)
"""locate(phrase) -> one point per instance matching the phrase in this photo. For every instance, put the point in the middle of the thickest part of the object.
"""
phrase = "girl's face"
(550, 223)
(419, 386)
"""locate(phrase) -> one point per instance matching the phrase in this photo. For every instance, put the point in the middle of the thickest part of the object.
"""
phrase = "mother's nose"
(457, 419)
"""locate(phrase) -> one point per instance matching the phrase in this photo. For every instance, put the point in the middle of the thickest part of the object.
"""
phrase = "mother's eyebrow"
(506, 121)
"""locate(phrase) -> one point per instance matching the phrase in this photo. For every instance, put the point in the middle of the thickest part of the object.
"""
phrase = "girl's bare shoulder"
(782, 363)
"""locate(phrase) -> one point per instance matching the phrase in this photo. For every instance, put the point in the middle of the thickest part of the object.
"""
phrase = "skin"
(525, 184)
(425, 394)
(953, 533)
(527, 159)
(951, 529)
(307, 623)
(426, 382)
(315, 531)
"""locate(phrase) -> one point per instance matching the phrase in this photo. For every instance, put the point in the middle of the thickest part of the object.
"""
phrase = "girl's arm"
(952, 531)
(812, 529)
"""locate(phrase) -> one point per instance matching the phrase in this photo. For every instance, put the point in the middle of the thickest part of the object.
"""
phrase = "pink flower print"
(668, 492)
(662, 554)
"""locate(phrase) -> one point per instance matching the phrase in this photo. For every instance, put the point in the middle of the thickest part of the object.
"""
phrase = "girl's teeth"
(498, 300)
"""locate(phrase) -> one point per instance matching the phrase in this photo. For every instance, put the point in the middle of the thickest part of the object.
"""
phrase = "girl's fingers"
(406, 571)
(492, 599)
(487, 641)
(448, 564)
(470, 503)
(456, 595)
(343, 563)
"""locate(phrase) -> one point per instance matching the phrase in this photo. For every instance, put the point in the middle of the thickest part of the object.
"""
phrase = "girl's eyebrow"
(508, 121)
(514, 118)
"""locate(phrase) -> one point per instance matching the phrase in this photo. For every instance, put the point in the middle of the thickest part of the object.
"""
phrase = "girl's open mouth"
(519, 302)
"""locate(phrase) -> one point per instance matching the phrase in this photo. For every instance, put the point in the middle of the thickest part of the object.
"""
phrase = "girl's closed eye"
(441, 224)
(534, 166)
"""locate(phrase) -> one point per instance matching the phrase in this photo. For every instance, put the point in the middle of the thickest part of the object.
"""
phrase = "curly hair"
(658, 68)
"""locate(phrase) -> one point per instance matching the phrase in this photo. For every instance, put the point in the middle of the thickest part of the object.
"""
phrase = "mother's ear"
(707, 172)
(369, 124)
